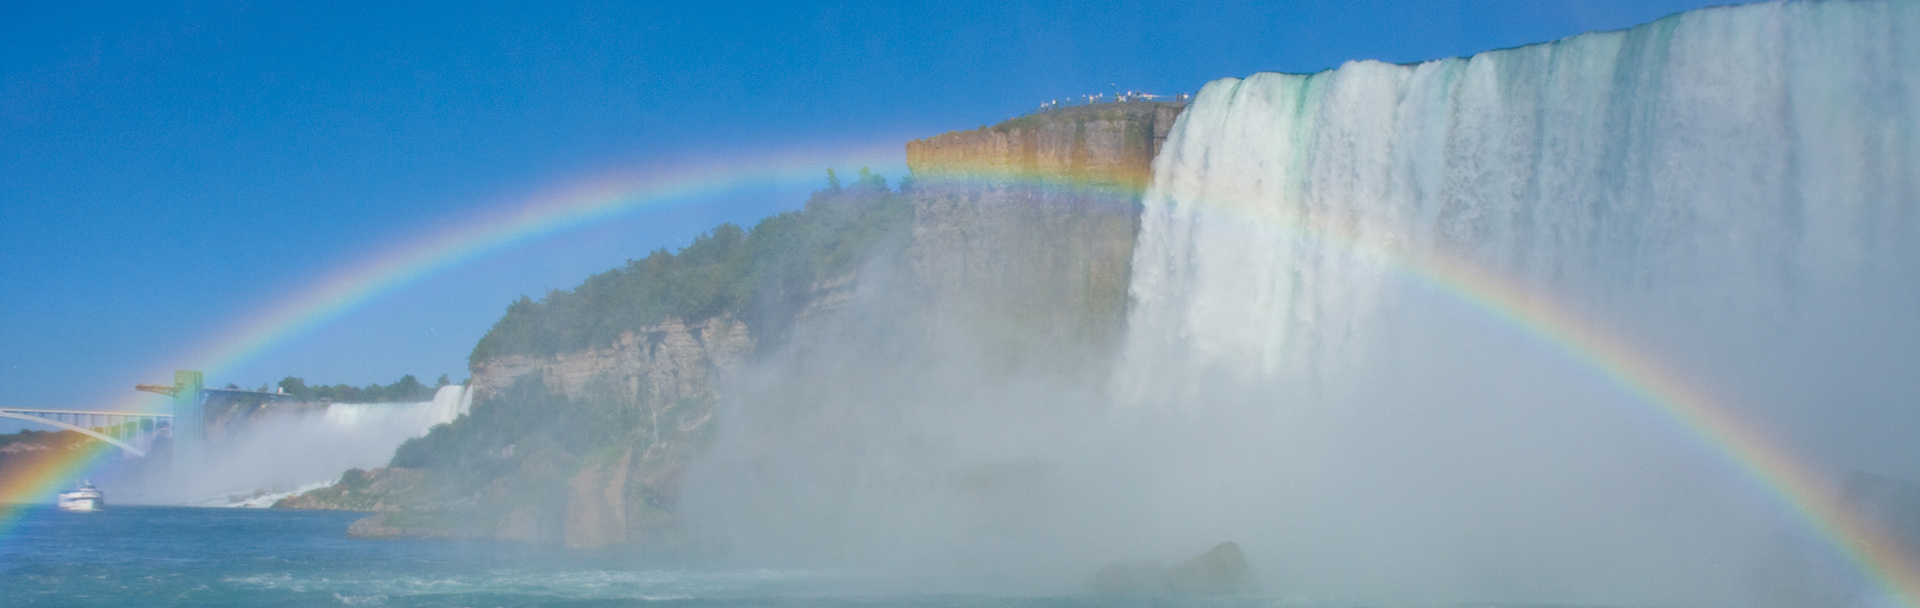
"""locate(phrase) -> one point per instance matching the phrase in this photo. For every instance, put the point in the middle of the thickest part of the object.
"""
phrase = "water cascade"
(1545, 324)
(1353, 292)
(280, 453)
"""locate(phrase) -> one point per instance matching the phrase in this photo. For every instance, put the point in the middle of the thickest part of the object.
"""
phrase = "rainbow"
(543, 216)
(35, 483)
(1801, 493)
(367, 280)
(1797, 489)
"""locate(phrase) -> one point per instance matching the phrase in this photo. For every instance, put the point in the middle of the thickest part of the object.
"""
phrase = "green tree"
(761, 275)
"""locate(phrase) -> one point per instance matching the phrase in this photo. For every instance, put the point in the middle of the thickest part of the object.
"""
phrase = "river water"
(183, 556)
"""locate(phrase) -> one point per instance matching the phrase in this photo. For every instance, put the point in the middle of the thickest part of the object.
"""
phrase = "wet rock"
(596, 505)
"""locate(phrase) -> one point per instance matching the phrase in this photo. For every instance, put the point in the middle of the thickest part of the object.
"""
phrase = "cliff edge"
(1028, 226)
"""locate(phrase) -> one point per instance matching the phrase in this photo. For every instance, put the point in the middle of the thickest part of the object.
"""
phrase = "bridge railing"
(132, 432)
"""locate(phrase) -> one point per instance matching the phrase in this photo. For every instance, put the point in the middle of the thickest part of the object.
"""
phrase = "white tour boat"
(87, 498)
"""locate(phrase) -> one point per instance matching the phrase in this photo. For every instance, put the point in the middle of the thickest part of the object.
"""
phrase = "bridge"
(131, 432)
(134, 432)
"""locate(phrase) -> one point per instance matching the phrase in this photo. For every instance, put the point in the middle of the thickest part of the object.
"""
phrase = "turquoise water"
(173, 556)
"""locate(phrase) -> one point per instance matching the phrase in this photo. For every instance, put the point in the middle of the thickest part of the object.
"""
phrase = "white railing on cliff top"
(1087, 100)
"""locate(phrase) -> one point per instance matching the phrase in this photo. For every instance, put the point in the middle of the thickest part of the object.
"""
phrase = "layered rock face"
(1028, 226)
(596, 505)
(1101, 143)
(674, 372)
(669, 362)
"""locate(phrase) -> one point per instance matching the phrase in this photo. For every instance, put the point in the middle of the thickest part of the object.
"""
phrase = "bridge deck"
(32, 411)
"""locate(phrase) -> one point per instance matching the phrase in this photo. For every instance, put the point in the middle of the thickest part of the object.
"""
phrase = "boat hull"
(83, 500)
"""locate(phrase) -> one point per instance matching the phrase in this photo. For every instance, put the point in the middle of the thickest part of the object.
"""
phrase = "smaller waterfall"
(302, 449)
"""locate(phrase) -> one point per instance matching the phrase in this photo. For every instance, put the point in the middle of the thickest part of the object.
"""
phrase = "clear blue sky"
(168, 168)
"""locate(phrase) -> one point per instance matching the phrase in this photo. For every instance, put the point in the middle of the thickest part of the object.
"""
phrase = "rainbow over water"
(1797, 488)
(1441, 174)
(362, 282)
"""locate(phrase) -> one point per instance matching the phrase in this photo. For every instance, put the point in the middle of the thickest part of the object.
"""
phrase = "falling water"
(1733, 191)
(277, 454)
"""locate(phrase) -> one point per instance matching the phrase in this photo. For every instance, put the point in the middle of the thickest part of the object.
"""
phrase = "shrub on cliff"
(761, 276)
(528, 424)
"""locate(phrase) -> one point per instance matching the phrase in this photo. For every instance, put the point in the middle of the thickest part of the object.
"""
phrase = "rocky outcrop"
(1111, 144)
(673, 373)
(596, 505)
(668, 362)
(670, 372)
(357, 490)
(1026, 228)
(1222, 569)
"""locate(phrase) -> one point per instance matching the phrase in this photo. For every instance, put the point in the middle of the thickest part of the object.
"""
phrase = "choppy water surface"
(170, 556)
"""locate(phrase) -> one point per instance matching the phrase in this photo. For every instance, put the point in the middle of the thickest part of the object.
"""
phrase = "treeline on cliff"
(511, 456)
(763, 275)
(407, 389)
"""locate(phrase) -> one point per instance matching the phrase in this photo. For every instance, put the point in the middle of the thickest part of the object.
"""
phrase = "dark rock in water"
(1222, 569)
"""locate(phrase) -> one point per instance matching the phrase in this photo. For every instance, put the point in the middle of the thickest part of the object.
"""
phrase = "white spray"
(1733, 191)
(278, 454)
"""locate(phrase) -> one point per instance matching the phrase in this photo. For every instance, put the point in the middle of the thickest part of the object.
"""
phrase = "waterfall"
(1735, 192)
(286, 452)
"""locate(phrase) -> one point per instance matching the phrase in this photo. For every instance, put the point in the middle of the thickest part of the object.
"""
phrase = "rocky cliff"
(1028, 226)
(674, 373)
(1023, 231)
(669, 362)
(1110, 143)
